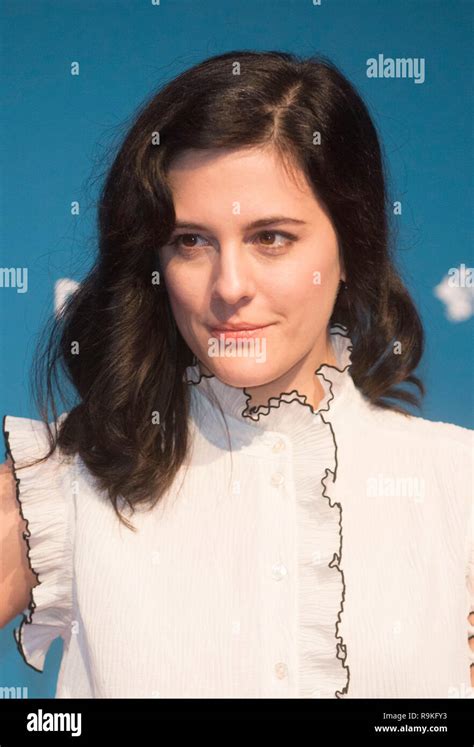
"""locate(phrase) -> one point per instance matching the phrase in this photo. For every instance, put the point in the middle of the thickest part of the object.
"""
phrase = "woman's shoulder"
(419, 427)
(27, 439)
(442, 432)
(414, 437)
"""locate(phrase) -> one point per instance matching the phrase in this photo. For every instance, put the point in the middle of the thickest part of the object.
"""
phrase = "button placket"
(277, 446)
(279, 653)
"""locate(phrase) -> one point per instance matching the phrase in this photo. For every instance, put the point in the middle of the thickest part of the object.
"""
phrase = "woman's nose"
(233, 277)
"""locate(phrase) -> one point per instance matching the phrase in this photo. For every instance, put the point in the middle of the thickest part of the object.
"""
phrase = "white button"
(279, 571)
(278, 446)
(278, 478)
(281, 670)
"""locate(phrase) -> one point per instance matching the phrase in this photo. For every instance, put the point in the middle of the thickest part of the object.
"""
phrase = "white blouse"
(329, 554)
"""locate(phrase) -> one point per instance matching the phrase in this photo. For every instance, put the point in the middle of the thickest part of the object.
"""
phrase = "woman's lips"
(233, 333)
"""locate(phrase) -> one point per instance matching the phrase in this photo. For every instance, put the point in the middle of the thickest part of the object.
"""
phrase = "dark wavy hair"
(132, 357)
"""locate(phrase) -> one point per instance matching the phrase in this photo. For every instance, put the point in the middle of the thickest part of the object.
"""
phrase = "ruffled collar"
(289, 411)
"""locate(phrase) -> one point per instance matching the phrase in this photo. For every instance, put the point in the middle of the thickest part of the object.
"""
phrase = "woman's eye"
(269, 236)
(186, 240)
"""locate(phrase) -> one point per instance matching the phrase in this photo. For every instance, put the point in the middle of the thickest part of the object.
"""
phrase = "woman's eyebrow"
(271, 220)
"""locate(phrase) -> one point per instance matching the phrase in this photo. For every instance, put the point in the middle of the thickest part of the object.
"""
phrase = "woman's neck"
(301, 376)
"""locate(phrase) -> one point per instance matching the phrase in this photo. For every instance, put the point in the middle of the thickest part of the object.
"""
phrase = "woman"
(242, 352)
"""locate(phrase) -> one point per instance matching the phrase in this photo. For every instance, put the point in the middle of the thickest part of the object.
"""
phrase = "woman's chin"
(240, 372)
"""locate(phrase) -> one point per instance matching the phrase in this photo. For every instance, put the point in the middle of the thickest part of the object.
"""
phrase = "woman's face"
(251, 246)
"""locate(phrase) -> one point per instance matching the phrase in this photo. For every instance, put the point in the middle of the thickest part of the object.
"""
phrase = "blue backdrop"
(57, 127)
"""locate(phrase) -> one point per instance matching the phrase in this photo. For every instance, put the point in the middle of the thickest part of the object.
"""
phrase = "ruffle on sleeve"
(44, 492)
